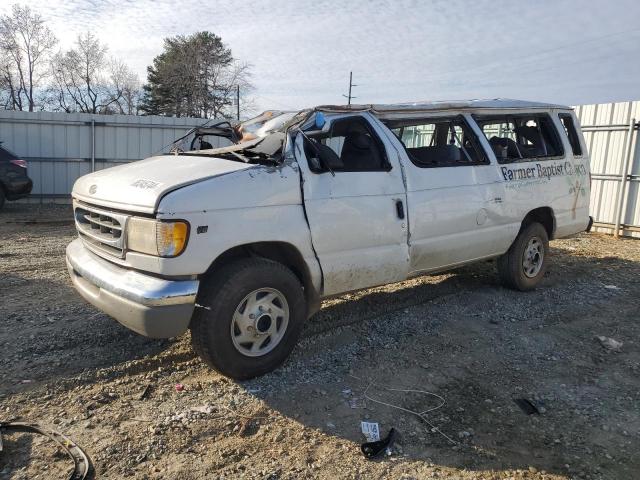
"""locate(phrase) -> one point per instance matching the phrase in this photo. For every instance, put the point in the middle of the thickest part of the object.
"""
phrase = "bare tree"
(85, 80)
(25, 41)
(78, 75)
(125, 88)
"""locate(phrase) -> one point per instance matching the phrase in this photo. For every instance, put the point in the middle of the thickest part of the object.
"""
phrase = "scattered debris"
(82, 465)
(612, 287)
(466, 357)
(610, 343)
(179, 387)
(375, 448)
(206, 409)
(145, 392)
(371, 431)
(527, 406)
(420, 415)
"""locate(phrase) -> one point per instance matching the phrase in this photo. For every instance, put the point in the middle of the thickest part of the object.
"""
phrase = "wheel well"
(544, 216)
(280, 252)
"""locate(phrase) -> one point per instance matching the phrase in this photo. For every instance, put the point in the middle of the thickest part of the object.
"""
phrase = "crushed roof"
(495, 103)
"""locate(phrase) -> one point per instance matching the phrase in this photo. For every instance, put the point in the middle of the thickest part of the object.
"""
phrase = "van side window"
(351, 145)
(439, 142)
(569, 128)
(521, 137)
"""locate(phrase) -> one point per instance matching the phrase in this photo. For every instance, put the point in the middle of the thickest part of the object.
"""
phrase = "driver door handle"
(400, 209)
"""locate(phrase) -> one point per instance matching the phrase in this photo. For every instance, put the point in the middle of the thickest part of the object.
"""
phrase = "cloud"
(302, 51)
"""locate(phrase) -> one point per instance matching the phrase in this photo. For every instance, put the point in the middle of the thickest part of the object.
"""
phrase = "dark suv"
(14, 182)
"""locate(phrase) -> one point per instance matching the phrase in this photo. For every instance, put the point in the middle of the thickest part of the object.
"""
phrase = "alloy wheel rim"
(260, 322)
(533, 257)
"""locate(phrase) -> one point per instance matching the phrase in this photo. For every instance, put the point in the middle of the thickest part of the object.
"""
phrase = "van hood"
(140, 185)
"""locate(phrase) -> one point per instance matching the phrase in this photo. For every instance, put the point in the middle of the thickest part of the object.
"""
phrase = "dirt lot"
(460, 335)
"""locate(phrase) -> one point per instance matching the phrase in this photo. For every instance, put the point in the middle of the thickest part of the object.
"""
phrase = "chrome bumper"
(151, 306)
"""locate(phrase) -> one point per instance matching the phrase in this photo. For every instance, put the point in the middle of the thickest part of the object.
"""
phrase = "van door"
(453, 192)
(355, 201)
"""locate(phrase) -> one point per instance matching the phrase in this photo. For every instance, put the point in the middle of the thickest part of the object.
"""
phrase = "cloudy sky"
(566, 51)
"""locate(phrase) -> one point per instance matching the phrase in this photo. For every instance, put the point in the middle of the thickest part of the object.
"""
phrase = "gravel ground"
(459, 335)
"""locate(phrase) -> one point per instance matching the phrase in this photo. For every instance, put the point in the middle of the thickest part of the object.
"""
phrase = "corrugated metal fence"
(611, 133)
(61, 147)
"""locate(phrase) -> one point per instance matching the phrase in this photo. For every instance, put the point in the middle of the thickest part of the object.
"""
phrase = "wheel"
(253, 313)
(1, 198)
(525, 263)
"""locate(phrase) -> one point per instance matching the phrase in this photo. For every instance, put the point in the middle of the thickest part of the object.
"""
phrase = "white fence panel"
(61, 147)
(611, 133)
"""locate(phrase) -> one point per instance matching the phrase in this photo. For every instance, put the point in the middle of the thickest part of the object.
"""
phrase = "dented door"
(358, 221)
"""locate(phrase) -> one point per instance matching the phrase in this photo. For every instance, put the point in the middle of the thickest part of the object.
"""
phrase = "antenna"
(351, 84)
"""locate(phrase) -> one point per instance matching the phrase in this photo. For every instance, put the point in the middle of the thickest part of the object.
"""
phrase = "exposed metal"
(611, 135)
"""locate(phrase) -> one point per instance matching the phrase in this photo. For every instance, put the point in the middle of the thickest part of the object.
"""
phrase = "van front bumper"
(151, 306)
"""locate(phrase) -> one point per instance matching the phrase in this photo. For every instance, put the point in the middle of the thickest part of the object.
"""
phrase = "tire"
(244, 303)
(2, 198)
(521, 268)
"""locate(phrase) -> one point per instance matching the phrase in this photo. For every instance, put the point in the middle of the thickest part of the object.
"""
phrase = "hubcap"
(533, 257)
(260, 322)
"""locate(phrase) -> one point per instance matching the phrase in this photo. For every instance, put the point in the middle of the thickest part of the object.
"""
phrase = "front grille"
(101, 229)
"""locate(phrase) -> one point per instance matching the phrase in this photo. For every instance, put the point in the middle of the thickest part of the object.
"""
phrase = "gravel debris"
(460, 335)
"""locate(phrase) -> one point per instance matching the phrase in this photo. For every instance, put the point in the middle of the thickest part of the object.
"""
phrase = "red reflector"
(20, 163)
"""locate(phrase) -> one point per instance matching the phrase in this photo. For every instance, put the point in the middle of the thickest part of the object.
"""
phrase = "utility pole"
(238, 101)
(351, 84)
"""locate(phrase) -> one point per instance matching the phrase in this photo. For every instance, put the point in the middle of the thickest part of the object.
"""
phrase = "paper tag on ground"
(371, 431)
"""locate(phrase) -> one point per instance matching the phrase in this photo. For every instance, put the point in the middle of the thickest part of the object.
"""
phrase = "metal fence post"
(620, 199)
(93, 144)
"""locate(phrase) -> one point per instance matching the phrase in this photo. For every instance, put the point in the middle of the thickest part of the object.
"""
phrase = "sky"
(561, 51)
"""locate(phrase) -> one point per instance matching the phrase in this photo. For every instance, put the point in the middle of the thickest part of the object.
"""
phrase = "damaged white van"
(240, 244)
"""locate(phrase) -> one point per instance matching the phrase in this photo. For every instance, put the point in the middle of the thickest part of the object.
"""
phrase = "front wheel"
(249, 318)
(525, 263)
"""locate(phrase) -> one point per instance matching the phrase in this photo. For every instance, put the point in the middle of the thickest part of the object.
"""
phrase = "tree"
(25, 41)
(86, 81)
(125, 88)
(195, 75)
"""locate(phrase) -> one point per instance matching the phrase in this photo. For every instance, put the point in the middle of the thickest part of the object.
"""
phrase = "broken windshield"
(257, 150)
(223, 133)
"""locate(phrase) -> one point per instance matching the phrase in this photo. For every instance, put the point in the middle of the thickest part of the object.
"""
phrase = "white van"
(239, 244)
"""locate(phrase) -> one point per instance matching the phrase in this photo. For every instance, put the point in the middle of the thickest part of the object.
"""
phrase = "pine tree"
(194, 76)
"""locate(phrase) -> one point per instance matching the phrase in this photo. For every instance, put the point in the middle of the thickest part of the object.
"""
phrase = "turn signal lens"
(171, 238)
(154, 237)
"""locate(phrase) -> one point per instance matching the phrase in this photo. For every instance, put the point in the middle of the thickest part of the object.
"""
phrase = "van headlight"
(155, 237)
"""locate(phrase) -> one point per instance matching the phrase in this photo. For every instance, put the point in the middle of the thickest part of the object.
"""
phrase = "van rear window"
(570, 129)
(521, 137)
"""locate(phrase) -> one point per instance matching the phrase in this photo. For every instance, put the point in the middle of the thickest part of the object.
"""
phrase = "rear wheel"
(525, 263)
(251, 315)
